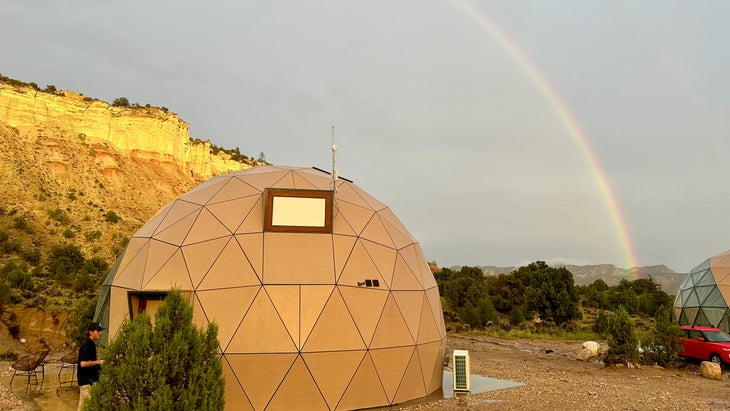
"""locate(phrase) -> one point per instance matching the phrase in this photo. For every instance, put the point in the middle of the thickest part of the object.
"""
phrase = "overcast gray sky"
(437, 109)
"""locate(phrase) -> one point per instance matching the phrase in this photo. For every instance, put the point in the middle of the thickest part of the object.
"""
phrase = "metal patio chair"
(29, 365)
(68, 362)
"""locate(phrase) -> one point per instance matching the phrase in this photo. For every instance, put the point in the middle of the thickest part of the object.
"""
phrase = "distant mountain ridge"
(668, 279)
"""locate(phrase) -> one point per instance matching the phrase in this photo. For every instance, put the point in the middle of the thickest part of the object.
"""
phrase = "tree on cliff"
(120, 102)
(171, 365)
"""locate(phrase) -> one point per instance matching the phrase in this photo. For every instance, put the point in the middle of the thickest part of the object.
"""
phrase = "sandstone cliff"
(147, 133)
(66, 161)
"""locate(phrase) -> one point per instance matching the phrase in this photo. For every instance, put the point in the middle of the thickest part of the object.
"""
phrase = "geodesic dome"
(323, 298)
(703, 297)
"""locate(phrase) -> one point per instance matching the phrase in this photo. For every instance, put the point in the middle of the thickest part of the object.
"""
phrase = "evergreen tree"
(622, 339)
(600, 324)
(665, 340)
(171, 365)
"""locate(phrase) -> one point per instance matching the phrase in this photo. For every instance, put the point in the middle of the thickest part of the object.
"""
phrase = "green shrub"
(111, 217)
(31, 255)
(20, 279)
(92, 235)
(622, 339)
(600, 324)
(59, 215)
(664, 341)
(178, 363)
(68, 233)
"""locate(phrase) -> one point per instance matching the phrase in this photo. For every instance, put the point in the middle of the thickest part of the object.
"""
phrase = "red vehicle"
(706, 343)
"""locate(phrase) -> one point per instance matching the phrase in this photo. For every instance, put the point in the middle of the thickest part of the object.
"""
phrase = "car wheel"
(716, 359)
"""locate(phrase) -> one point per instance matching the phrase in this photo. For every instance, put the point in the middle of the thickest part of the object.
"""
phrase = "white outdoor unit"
(461, 370)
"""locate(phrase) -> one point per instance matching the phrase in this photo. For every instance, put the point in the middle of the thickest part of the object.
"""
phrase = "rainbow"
(568, 121)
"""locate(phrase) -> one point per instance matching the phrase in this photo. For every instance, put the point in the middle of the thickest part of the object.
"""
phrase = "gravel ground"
(8, 400)
(555, 380)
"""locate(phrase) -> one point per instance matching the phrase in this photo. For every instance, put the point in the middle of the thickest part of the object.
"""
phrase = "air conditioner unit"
(461, 370)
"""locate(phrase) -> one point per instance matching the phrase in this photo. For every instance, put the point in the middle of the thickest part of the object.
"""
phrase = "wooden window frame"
(271, 193)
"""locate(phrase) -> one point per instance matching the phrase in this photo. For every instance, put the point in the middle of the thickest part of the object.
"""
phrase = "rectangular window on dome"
(291, 210)
(145, 302)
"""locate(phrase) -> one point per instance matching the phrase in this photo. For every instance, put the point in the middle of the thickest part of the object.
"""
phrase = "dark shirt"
(87, 352)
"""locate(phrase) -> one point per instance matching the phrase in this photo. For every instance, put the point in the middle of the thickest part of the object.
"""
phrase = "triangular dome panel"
(410, 304)
(200, 257)
(412, 258)
(390, 364)
(227, 308)
(383, 257)
(261, 330)
(298, 391)
(346, 192)
(260, 374)
(434, 301)
(131, 269)
(706, 279)
(286, 302)
(403, 277)
(303, 182)
(365, 305)
(233, 189)
(426, 278)
(264, 180)
(158, 254)
(721, 274)
(350, 219)
(335, 329)
(365, 389)
(431, 356)
(359, 267)
(412, 385)
(178, 210)
(232, 213)
(230, 269)
(173, 274)
(175, 233)
(204, 192)
(234, 393)
(375, 231)
(316, 178)
(287, 181)
(428, 330)
(333, 371)
(313, 299)
(206, 227)
(401, 237)
(342, 249)
(151, 226)
(253, 246)
(714, 315)
(392, 330)
(370, 200)
(254, 220)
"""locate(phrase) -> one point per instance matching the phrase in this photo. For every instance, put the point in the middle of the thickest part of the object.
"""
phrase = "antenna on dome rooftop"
(334, 170)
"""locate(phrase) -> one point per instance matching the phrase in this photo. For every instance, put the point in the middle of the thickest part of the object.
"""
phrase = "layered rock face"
(145, 133)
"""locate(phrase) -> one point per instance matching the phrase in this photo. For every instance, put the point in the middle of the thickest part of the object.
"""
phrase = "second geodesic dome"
(323, 298)
(703, 297)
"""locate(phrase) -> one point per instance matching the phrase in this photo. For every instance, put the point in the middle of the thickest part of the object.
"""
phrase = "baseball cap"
(95, 326)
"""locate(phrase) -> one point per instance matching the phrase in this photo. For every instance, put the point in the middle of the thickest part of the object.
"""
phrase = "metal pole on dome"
(334, 170)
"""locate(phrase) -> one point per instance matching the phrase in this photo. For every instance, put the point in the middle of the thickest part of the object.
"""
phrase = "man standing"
(88, 365)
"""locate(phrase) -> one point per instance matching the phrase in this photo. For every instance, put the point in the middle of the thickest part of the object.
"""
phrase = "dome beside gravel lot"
(323, 298)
